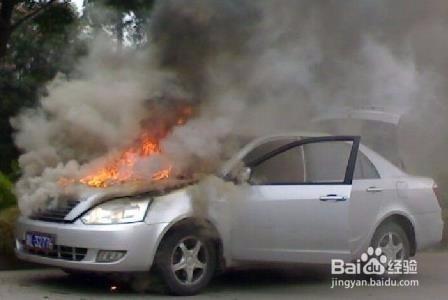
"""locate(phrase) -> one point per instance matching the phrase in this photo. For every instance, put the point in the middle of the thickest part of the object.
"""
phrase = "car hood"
(89, 197)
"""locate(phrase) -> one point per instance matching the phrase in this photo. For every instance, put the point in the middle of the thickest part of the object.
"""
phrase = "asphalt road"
(272, 283)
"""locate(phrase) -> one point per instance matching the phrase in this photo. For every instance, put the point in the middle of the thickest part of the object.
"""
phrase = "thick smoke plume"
(242, 67)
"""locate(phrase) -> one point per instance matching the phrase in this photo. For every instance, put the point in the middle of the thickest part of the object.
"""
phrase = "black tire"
(383, 234)
(169, 255)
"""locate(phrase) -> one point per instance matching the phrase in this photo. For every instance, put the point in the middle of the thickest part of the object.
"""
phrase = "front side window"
(321, 162)
(283, 168)
(266, 148)
(326, 162)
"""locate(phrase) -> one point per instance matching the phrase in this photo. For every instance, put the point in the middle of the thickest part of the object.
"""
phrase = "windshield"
(233, 144)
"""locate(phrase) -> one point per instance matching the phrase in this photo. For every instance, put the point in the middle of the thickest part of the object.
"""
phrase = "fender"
(390, 213)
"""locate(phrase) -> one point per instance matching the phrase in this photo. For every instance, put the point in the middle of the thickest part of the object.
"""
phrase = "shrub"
(7, 197)
(7, 221)
(8, 215)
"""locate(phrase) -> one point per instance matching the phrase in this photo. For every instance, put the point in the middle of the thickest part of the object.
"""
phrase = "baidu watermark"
(374, 263)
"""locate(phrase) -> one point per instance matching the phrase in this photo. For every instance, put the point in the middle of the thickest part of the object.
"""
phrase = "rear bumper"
(428, 230)
(138, 240)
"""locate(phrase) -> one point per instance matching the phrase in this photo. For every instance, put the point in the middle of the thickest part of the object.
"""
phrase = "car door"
(368, 193)
(296, 207)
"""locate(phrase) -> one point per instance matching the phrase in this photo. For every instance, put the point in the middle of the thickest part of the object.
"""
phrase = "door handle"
(374, 189)
(332, 197)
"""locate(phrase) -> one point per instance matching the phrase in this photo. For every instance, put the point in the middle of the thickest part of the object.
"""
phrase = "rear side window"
(326, 162)
(364, 168)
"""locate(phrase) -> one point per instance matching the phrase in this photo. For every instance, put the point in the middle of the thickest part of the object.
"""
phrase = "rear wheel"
(393, 242)
(186, 261)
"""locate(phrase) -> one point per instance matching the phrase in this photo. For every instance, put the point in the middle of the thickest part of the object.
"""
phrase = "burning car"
(285, 198)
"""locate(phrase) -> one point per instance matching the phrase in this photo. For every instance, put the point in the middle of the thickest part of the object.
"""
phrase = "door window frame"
(350, 169)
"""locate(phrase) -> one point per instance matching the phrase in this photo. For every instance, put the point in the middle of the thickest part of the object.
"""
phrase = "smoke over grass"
(245, 67)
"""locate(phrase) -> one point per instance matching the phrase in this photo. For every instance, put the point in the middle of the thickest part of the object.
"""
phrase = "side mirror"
(243, 175)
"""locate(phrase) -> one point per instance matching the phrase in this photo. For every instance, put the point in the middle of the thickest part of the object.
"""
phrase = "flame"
(120, 169)
(162, 174)
(185, 114)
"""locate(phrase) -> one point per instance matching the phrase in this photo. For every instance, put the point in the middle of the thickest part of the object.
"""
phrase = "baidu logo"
(373, 262)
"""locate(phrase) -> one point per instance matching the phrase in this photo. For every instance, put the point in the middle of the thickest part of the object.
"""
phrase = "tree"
(44, 44)
(127, 21)
(10, 22)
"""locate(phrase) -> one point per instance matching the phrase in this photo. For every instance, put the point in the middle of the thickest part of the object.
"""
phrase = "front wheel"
(186, 261)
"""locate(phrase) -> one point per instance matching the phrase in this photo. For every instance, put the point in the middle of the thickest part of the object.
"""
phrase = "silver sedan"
(286, 198)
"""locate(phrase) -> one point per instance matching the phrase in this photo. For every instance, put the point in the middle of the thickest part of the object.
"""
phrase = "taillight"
(436, 190)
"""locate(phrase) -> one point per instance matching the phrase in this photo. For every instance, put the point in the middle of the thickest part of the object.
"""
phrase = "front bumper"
(138, 240)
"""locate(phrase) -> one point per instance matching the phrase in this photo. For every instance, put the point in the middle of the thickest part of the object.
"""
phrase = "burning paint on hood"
(129, 189)
(121, 167)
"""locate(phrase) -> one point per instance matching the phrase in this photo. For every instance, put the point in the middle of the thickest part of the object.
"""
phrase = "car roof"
(371, 113)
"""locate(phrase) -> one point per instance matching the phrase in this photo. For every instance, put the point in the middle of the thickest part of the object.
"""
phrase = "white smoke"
(246, 67)
(82, 120)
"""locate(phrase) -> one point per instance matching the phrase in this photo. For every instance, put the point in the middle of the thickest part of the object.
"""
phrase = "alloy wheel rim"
(189, 261)
(392, 246)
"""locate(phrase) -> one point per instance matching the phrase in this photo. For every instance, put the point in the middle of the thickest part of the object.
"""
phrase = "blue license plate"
(40, 241)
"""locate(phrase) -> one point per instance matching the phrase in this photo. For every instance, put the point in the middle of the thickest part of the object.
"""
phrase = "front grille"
(60, 252)
(56, 215)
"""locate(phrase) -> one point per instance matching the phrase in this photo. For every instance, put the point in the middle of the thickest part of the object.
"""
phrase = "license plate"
(40, 241)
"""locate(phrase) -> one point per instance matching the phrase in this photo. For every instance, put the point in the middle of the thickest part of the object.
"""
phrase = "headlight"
(123, 210)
